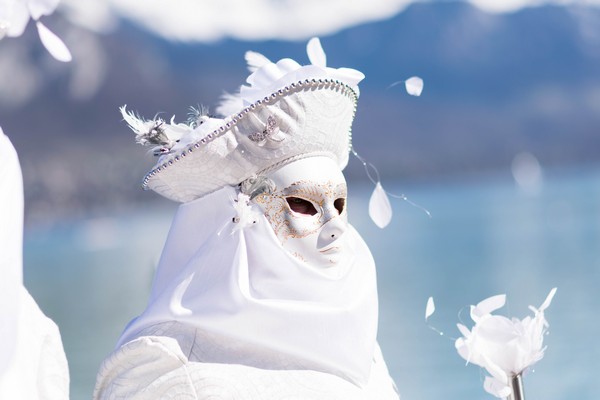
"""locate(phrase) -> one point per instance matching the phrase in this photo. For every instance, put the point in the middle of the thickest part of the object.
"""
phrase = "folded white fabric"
(162, 367)
(243, 286)
(38, 368)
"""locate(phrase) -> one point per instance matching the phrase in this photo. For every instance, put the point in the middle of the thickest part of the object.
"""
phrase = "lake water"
(484, 238)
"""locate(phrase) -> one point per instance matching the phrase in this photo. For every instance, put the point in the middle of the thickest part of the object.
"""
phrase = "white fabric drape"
(11, 242)
(33, 364)
(244, 287)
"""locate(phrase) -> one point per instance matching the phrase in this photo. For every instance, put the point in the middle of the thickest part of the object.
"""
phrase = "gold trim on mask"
(321, 195)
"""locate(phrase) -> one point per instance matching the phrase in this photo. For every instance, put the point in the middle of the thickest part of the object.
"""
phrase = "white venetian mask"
(307, 210)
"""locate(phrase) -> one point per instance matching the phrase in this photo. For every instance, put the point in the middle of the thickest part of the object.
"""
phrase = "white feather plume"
(255, 60)
(138, 125)
(230, 104)
(315, 52)
(158, 133)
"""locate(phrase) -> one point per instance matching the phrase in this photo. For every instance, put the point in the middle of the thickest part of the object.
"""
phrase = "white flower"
(15, 14)
(504, 347)
(245, 214)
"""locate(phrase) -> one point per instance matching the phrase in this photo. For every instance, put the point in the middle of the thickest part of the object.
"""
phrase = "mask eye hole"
(301, 206)
(339, 204)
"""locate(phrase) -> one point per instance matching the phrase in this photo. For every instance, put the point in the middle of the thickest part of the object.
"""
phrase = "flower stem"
(517, 388)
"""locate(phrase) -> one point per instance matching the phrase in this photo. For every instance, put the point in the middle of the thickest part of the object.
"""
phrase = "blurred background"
(502, 147)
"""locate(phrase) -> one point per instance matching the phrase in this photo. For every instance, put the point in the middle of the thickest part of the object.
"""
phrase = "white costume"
(32, 360)
(263, 290)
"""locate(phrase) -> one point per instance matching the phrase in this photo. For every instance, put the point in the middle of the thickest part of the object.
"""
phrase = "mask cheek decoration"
(309, 223)
(302, 218)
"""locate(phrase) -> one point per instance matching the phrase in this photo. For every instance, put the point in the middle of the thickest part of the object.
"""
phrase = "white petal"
(414, 86)
(176, 131)
(350, 76)
(315, 52)
(53, 44)
(548, 300)
(464, 330)
(496, 388)
(264, 76)
(380, 209)
(494, 369)
(488, 305)
(287, 65)
(255, 60)
(430, 309)
(496, 329)
(463, 349)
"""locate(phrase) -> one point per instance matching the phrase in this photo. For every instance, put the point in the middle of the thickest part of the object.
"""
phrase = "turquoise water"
(484, 238)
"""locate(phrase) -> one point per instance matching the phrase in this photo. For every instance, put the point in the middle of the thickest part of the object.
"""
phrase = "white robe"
(233, 314)
(166, 363)
(33, 364)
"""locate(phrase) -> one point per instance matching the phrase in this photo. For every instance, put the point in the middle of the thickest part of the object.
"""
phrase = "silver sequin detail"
(271, 129)
(335, 85)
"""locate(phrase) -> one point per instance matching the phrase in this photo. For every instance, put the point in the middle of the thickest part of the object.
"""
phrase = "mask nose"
(332, 231)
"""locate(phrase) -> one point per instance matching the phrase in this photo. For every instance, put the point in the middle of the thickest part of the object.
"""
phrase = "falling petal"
(53, 44)
(548, 300)
(315, 52)
(414, 86)
(430, 309)
(380, 209)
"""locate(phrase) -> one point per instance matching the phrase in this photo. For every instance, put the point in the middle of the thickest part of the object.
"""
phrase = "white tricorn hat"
(284, 113)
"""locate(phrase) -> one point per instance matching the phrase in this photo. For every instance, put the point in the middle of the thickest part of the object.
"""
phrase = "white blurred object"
(11, 256)
(527, 172)
(33, 364)
(505, 347)
(15, 14)
(96, 16)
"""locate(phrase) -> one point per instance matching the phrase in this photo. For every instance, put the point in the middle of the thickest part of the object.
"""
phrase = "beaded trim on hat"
(325, 83)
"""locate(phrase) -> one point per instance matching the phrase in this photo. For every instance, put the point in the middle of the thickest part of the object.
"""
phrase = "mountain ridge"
(495, 85)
